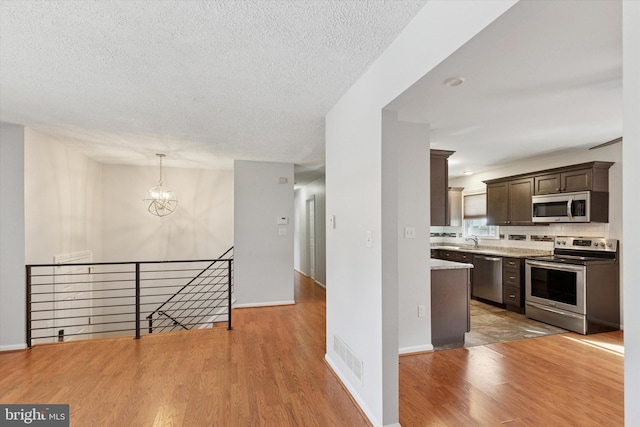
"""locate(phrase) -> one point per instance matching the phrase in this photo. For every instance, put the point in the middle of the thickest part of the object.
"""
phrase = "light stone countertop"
(441, 264)
(495, 250)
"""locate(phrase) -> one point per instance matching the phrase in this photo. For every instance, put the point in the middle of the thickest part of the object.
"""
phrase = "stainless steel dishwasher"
(487, 278)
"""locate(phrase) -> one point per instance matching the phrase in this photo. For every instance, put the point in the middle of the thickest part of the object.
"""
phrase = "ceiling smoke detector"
(453, 81)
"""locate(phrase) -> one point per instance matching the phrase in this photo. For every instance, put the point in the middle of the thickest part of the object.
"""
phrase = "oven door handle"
(569, 203)
(555, 266)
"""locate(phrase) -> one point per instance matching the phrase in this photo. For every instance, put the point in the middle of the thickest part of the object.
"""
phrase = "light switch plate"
(283, 220)
(282, 231)
(332, 221)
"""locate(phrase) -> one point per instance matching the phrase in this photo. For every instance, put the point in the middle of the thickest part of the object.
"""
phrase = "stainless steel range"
(577, 288)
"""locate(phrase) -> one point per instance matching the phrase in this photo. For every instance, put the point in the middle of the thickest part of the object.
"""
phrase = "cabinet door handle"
(511, 277)
(512, 296)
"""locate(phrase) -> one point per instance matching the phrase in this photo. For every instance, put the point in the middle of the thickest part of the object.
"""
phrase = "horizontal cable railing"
(67, 302)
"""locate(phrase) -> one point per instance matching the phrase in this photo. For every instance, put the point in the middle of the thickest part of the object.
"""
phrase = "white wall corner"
(263, 248)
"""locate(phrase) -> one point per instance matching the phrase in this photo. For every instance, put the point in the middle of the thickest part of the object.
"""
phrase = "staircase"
(204, 300)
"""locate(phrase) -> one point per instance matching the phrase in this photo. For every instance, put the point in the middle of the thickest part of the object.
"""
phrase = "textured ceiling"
(207, 82)
(545, 77)
(203, 81)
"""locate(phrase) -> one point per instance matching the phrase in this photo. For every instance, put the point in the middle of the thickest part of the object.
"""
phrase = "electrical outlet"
(409, 232)
(422, 310)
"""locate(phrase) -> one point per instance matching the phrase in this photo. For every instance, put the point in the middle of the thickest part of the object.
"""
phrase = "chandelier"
(160, 200)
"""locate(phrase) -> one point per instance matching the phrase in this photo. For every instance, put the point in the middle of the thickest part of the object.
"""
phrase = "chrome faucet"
(475, 241)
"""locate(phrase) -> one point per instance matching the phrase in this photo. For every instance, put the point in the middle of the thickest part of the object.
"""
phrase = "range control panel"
(587, 243)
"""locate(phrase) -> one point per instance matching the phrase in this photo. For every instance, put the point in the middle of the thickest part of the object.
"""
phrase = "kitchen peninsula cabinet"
(450, 299)
(509, 202)
(440, 187)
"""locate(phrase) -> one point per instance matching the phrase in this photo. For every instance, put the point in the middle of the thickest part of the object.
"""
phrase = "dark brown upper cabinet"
(440, 187)
(509, 202)
(593, 177)
(509, 198)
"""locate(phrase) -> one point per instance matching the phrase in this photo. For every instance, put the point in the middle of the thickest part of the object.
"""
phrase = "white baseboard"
(301, 272)
(12, 347)
(306, 275)
(415, 349)
(264, 304)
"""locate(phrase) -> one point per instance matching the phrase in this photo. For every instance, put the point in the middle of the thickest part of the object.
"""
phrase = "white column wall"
(263, 258)
(12, 238)
(413, 201)
(356, 304)
(631, 207)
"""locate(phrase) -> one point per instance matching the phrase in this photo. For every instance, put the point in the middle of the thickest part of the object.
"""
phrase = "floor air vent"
(353, 363)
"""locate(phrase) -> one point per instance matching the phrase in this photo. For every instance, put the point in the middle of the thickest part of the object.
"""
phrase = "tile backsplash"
(531, 237)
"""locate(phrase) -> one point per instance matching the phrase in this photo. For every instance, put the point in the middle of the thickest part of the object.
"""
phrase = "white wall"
(263, 257)
(99, 207)
(12, 254)
(354, 148)
(201, 227)
(411, 196)
(63, 200)
(315, 190)
(631, 207)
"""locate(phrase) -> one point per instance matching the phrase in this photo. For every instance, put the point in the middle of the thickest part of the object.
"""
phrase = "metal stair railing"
(71, 301)
(200, 302)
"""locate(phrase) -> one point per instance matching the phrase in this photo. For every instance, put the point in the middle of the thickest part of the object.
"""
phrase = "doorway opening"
(311, 237)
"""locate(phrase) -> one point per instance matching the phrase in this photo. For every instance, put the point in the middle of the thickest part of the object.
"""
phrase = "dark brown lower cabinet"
(513, 284)
(450, 311)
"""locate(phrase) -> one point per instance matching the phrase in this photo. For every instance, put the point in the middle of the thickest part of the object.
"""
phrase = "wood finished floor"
(269, 371)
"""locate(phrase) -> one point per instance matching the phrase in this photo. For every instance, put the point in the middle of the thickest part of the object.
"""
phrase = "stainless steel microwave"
(562, 207)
